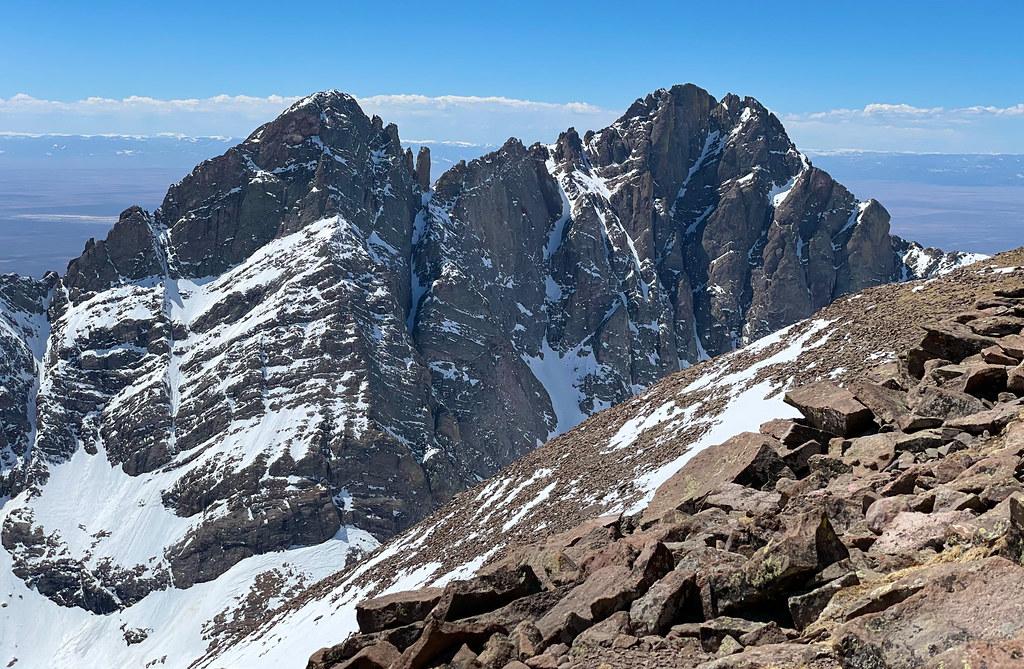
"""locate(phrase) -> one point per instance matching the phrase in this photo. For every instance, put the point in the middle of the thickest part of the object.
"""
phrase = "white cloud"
(905, 111)
(489, 120)
(461, 118)
(903, 127)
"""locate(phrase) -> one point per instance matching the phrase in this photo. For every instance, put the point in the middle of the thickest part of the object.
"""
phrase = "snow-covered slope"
(615, 460)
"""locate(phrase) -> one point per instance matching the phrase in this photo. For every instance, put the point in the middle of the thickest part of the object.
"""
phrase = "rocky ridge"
(308, 347)
(615, 461)
(882, 527)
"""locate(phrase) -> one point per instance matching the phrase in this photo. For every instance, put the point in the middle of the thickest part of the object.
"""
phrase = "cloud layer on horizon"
(902, 127)
(490, 120)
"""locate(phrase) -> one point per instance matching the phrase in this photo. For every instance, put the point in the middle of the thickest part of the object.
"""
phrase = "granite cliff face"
(306, 345)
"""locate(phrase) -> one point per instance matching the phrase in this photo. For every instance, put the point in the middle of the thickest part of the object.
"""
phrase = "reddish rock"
(1013, 345)
(953, 341)
(486, 592)
(996, 355)
(831, 409)
(735, 497)
(990, 420)
(941, 404)
(954, 606)
(913, 531)
(806, 608)
(996, 326)
(381, 655)
(984, 380)
(875, 451)
(886, 404)
(808, 545)
(1015, 379)
(749, 459)
(604, 592)
(440, 638)
(675, 598)
(396, 609)
(790, 432)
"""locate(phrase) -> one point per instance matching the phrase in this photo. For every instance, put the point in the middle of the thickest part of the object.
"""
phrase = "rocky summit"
(312, 344)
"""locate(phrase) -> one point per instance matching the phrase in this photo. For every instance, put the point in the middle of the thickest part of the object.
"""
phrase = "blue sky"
(915, 76)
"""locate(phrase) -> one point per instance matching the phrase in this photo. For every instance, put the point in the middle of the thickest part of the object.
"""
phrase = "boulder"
(884, 510)
(798, 457)
(673, 599)
(749, 459)
(1013, 346)
(995, 355)
(953, 606)
(831, 409)
(874, 451)
(808, 545)
(606, 591)
(996, 326)
(991, 420)
(986, 472)
(654, 562)
(396, 609)
(806, 608)
(790, 432)
(381, 655)
(953, 341)
(886, 404)
(735, 497)
(766, 634)
(982, 655)
(941, 404)
(983, 380)
(918, 442)
(465, 658)
(944, 499)
(604, 633)
(1015, 379)
(439, 639)
(486, 592)
(913, 531)
(778, 656)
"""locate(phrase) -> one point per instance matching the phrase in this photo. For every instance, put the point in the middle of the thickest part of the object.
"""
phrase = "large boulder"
(606, 591)
(1015, 380)
(396, 609)
(443, 639)
(950, 607)
(953, 341)
(486, 592)
(912, 531)
(749, 459)
(673, 599)
(831, 409)
(788, 561)
(941, 404)
(887, 404)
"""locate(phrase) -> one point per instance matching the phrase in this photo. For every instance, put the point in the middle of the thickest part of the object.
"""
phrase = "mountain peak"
(323, 100)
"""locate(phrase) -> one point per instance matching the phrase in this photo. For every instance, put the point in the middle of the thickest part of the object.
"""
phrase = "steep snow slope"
(615, 460)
